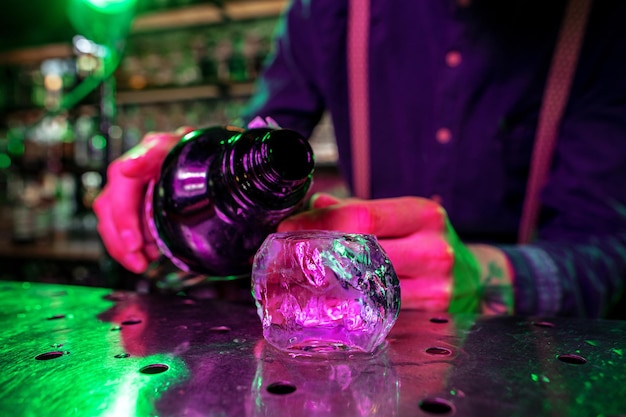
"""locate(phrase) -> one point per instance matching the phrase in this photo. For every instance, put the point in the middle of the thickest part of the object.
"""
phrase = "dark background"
(33, 22)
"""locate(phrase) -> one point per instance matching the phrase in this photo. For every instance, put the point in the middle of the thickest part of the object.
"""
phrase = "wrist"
(496, 279)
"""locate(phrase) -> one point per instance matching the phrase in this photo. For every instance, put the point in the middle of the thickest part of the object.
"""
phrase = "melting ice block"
(324, 291)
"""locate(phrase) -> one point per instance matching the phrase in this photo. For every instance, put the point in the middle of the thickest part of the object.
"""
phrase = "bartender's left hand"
(437, 271)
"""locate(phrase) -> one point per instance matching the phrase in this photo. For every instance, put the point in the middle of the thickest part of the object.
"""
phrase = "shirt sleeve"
(287, 89)
(575, 279)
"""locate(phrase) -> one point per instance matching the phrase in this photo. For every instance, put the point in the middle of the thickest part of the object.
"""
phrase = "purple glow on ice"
(325, 291)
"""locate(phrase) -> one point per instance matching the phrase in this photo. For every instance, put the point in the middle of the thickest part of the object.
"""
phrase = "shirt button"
(453, 59)
(437, 199)
(443, 135)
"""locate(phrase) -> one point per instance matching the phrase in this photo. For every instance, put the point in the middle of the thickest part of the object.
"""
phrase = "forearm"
(580, 279)
(287, 89)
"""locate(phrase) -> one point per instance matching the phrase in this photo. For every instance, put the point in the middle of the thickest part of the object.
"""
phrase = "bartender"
(449, 110)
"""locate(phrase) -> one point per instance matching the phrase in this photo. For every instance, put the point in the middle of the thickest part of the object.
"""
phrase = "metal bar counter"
(79, 351)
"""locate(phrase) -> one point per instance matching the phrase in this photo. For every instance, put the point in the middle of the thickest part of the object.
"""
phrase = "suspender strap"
(358, 94)
(556, 93)
(555, 97)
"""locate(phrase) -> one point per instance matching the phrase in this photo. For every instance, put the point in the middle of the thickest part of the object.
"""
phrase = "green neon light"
(111, 6)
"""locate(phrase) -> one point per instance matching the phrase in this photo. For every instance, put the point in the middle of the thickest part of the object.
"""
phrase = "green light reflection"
(87, 380)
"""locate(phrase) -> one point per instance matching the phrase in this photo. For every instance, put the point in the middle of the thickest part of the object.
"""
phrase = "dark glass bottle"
(222, 190)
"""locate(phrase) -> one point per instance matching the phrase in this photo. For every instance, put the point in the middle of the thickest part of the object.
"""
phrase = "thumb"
(145, 159)
(322, 200)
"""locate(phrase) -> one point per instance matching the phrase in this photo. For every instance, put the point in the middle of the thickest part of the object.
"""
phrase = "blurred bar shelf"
(203, 14)
(70, 249)
(36, 54)
(172, 94)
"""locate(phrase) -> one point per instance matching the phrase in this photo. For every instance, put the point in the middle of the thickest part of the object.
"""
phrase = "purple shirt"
(455, 93)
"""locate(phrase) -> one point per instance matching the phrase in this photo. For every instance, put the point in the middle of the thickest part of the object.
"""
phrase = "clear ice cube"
(325, 291)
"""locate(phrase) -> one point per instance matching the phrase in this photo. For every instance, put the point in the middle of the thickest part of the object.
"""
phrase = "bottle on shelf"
(221, 191)
(23, 196)
(64, 208)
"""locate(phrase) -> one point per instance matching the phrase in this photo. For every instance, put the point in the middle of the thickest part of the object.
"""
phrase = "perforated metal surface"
(77, 351)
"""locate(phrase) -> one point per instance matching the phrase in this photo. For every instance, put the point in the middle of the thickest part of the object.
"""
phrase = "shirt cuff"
(538, 289)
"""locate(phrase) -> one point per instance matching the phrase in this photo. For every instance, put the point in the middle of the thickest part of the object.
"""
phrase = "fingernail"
(183, 130)
(135, 262)
(321, 200)
(272, 123)
(256, 123)
(313, 199)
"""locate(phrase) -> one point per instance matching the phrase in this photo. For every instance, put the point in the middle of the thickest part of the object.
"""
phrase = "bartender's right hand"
(119, 207)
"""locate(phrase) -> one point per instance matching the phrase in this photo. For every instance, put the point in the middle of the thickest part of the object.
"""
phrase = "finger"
(152, 252)
(120, 219)
(145, 159)
(134, 261)
(404, 216)
(128, 215)
(116, 243)
(421, 254)
(183, 130)
(425, 293)
(105, 228)
(393, 217)
(322, 200)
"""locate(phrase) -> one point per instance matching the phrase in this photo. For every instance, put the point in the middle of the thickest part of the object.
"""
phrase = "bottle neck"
(269, 168)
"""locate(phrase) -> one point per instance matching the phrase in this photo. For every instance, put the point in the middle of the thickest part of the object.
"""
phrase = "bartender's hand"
(119, 207)
(437, 271)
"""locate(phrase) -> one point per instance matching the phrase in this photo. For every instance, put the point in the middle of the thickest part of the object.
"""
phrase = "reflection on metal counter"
(70, 350)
